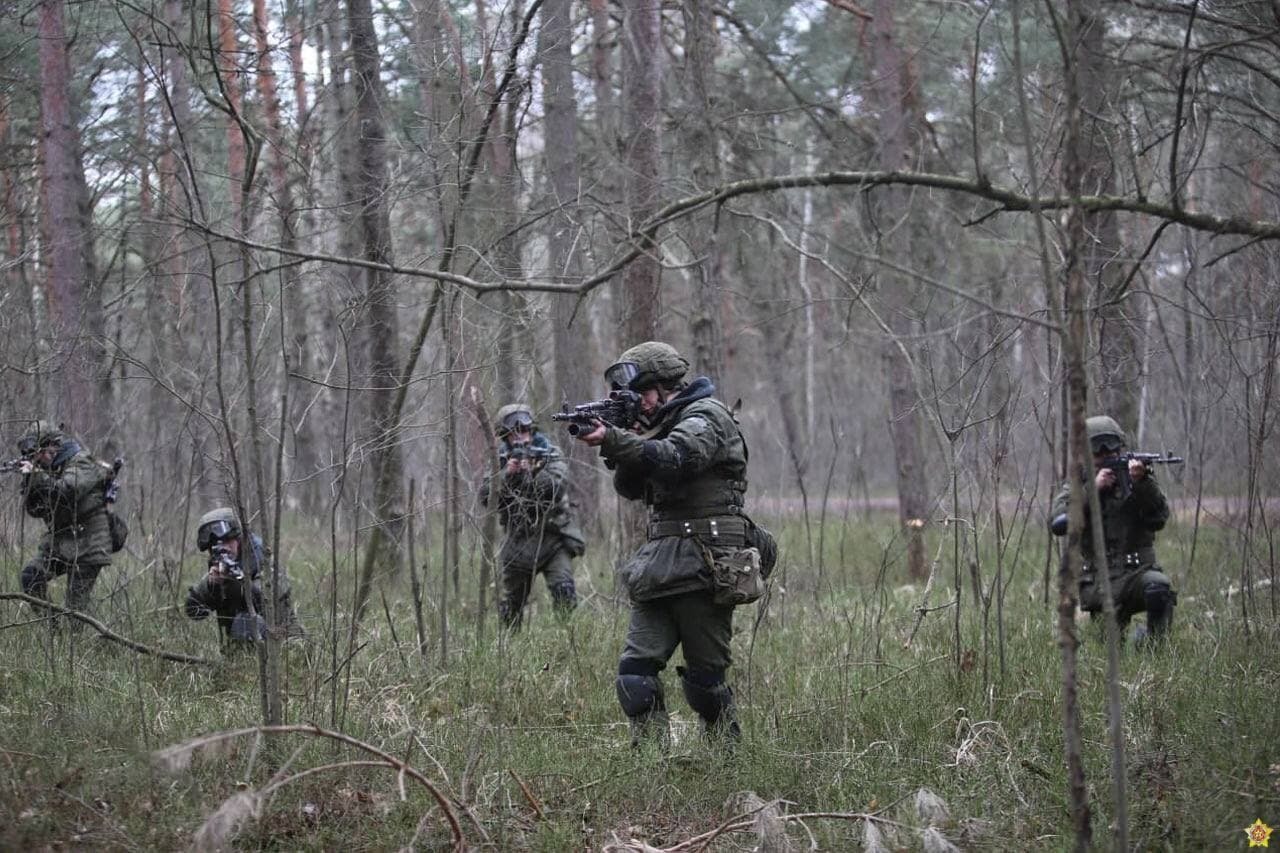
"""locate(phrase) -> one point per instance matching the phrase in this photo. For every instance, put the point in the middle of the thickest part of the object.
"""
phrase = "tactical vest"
(719, 490)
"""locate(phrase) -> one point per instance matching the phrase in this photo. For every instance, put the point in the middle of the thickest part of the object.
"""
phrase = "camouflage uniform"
(225, 598)
(1129, 526)
(541, 534)
(689, 467)
(69, 496)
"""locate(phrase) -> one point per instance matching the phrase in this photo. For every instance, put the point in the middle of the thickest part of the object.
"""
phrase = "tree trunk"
(382, 326)
(75, 300)
(700, 142)
(573, 380)
(1080, 464)
(1117, 313)
(606, 120)
(898, 139)
(306, 459)
(641, 91)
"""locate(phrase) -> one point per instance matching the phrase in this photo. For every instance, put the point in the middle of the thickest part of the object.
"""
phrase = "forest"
(292, 258)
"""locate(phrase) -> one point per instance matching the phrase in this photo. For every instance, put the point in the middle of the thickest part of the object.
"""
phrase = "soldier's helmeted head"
(648, 365)
(41, 434)
(1105, 435)
(512, 419)
(217, 526)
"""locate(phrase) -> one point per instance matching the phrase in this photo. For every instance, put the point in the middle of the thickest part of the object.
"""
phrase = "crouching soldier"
(1130, 520)
(67, 489)
(232, 582)
(530, 493)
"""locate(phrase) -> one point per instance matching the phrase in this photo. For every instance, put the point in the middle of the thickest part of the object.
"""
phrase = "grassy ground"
(524, 736)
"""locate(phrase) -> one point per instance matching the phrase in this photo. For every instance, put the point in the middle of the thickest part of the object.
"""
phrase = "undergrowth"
(523, 735)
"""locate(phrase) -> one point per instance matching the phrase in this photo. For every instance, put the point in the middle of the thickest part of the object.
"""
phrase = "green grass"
(839, 717)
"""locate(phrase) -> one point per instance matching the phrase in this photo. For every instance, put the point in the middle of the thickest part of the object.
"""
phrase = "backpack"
(119, 531)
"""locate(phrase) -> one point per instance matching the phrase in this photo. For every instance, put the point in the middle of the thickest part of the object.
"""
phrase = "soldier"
(66, 488)
(1129, 525)
(222, 590)
(530, 494)
(686, 459)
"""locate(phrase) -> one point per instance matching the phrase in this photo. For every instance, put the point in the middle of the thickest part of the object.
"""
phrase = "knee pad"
(706, 693)
(242, 628)
(1158, 596)
(639, 689)
(639, 695)
(564, 595)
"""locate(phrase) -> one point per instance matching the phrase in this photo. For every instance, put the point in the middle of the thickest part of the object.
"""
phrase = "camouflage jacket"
(70, 498)
(534, 508)
(225, 598)
(1129, 526)
(690, 470)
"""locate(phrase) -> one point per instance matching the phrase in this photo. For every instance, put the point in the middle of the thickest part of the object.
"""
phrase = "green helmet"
(1104, 434)
(217, 525)
(41, 434)
(511, 417)
(646, 365)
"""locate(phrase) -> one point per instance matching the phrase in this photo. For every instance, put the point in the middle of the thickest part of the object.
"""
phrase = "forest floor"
(844, 721)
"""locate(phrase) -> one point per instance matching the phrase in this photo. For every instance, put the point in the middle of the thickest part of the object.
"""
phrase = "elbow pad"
(1058, 525)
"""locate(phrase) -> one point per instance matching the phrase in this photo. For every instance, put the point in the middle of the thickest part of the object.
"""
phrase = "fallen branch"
(745, 822)
(178, 757)
(107, 633)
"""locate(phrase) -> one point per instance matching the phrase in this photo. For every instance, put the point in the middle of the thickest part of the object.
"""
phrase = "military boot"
(712, 700)
(653, 727)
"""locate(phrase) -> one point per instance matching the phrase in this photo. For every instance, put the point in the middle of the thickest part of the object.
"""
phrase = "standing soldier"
(66, 488)
(1129, 526)
(530, 494)
(686, 459)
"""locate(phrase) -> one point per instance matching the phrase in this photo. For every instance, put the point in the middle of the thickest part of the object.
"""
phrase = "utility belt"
(1125, 562)
(725, 530)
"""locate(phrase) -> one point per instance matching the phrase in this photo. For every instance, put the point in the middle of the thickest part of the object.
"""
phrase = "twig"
(882, 682)
(528, 795)
(106, 632)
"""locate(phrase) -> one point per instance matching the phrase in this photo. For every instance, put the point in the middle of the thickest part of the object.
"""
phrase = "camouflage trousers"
(1128, 590)
(693, 621)
(44, 568)
(517, 585)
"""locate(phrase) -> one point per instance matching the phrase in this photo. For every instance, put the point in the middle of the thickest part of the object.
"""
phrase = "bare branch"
(106, 632)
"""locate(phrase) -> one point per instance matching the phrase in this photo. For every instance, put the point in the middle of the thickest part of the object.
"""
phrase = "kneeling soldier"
(234, 572)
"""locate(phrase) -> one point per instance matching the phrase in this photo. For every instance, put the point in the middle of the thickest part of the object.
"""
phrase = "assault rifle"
(10, 466)
(1119, 465)
(535, 455)
(621, 409)
(221, 555)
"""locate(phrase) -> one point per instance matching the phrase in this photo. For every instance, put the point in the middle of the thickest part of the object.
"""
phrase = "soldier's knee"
(564, 595)
(242, 627)
(706, 692)
(639, 689)
(1158, 593)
